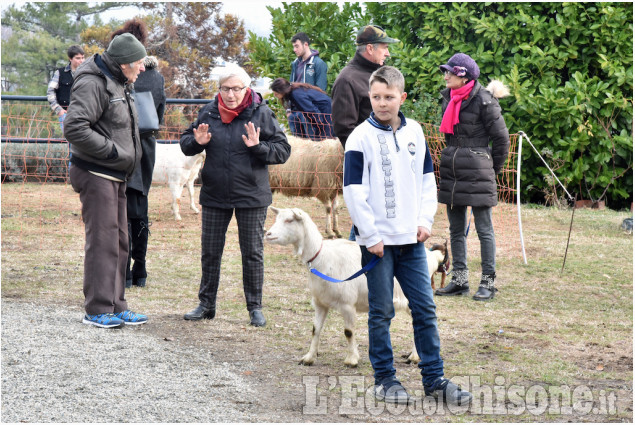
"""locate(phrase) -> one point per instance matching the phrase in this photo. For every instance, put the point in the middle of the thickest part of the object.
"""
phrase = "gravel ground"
(56, 369)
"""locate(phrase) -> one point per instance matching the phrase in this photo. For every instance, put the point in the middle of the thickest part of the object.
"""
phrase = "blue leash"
(366, 268)
(469, 221)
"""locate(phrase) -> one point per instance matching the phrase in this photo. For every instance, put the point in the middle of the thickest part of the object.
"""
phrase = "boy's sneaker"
(132, 318)
(392, 392)
(452, 393)
(104, 320)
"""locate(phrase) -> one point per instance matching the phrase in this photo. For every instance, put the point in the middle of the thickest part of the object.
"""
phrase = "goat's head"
(445, 265)
(288, 228)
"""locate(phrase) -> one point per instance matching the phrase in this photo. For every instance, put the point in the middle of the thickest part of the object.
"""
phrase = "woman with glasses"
(477, 144)
(241, 138)
(308, 109)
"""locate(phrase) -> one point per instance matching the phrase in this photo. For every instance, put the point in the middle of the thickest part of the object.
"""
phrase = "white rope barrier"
(520, 221)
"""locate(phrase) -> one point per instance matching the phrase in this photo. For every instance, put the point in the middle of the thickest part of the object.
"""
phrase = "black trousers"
(251, 224)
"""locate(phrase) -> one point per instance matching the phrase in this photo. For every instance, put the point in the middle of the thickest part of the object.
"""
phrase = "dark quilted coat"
(475, 153)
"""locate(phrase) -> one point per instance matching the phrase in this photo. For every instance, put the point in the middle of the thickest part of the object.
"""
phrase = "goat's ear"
(298, 214)
(274, 209)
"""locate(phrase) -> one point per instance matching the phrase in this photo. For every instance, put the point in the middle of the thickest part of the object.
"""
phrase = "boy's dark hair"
(388, 75)
(74, 50)
(302, 37)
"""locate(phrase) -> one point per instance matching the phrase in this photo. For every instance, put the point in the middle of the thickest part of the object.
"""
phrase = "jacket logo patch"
(412, 148)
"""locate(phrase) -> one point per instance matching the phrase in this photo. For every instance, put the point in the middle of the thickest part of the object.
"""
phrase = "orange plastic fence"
(310, 125)
(36, 195)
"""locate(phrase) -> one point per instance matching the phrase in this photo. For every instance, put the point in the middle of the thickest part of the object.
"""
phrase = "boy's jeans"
(483, 222)
(409, 265)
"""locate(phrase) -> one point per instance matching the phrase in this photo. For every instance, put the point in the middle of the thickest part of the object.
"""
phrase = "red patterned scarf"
(451, 115)
(227, 115)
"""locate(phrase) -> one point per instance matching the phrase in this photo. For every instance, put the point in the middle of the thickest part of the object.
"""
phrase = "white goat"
(337, 258)
(314, 169)
(175, 169)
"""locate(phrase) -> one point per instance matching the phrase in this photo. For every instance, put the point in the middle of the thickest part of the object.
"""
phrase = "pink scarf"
(451, 115)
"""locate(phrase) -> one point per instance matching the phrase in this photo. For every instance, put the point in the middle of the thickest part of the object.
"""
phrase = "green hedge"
(569, 67)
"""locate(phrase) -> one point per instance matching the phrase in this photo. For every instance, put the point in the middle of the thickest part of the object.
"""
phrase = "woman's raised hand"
(202, 135)
(253, 136)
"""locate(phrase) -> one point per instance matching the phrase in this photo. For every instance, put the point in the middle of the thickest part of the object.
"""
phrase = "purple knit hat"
(462, 65)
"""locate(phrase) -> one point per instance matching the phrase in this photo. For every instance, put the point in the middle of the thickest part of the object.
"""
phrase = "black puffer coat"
(468, 163)
(234, 175)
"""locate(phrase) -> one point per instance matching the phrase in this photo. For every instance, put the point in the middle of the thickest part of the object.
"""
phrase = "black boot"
(128, 272)
(486, 289)
(458, 284)
(139, 247)
(200, 312)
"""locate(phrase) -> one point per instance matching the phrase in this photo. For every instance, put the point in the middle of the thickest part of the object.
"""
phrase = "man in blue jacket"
(308, 67)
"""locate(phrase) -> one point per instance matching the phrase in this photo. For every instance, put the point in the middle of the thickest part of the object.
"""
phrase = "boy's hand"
(377, 249)
(422, 234)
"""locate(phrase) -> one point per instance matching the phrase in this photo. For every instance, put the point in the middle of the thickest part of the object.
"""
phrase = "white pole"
(520, 223)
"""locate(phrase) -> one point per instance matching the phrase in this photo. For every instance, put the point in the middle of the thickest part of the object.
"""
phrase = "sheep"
(314, 169)
(337, 258)
(175, 169)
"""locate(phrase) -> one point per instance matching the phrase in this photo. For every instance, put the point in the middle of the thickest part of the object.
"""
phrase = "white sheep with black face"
(336, 258)
(176, 170)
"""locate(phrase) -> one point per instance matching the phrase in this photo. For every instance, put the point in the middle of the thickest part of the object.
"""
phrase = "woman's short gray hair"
(234, 71)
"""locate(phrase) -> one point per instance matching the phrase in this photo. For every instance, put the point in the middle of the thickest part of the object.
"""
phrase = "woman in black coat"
(138, 185)
(241, 138)
(477, 144)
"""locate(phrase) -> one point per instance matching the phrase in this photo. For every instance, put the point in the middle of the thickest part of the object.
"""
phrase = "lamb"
(175, 169)
(337, 258)
(314, 169)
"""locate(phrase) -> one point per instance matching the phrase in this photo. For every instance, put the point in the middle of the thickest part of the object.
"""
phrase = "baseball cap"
(371, 34)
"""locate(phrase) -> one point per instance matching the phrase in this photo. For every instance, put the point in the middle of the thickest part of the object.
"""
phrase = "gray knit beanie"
(125, 48)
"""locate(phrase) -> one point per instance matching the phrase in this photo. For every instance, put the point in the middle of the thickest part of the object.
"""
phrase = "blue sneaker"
(104, 320)
(131, 318)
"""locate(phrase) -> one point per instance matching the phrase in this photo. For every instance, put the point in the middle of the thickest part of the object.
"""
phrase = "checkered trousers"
(251, 224)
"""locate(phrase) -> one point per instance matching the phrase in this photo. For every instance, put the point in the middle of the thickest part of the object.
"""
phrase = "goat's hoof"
(177, 218)
(352, 360)
(338, 234)
(306, 361)
(411, 358)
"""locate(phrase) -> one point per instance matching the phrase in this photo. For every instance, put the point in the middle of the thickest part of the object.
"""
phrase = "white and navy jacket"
(389, 184)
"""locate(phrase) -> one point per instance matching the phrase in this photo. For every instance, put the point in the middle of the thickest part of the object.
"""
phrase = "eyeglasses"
(236, 90)
(459, 71)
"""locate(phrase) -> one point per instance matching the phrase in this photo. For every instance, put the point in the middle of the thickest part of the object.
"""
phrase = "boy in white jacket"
(391, 195)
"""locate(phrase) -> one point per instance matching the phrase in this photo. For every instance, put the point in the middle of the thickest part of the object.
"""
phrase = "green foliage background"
(569, 67)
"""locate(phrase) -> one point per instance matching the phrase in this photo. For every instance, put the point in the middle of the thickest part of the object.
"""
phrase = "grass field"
(548, 339)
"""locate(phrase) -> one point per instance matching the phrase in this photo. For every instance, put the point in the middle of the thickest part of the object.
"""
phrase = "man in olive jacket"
(101, 127)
